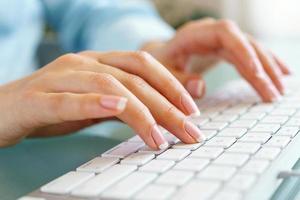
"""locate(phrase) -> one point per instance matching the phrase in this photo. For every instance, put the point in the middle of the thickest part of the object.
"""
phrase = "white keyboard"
(247, 145)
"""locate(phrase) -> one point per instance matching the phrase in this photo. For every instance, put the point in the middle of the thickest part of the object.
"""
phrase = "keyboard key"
(283, 112)
(215, 172)
(232, 132)
(224, 142)
(256, 137)
(278, 141)
(155, 192)
(198, 189)
(214, 126)
(136, 139)
(129, 185)
(268, 153)
(209, 133)
(99, 183)
(242, 182)
(228, 194)
(243, 147)
(207, 152)
(263, 107)
(232, 159)
(199, 121)
(181, 145)
(98, 164)
(256, 166)
(253, 115)
(268, 128)
(174, 154)
(225, 118)
(157, 166)
(288, 131)
(191, 164)
(123, 150)
(243, 123)
(67, 182)
(275, 119)
(175, 177)
(138, 159)
(31, 198)
(147, 149)
(171, 139)
(293, 122)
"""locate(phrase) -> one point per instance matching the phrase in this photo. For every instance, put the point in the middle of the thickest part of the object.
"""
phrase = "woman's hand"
(221, 39)
(77, 90)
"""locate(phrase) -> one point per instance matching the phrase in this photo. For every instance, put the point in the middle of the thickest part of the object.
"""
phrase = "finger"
(270, 67)
(283, 67)
(193, 83)
(145, 66)
(64, 107)
(136, 114)
(248, 64)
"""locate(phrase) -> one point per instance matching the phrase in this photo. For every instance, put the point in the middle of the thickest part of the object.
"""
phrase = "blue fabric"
(80, 24)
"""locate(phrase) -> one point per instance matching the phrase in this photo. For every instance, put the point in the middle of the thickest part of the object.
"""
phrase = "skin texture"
(221, 39)
(139, 88)
(77, 90)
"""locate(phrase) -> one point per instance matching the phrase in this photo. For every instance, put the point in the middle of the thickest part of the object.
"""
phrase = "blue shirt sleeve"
(105, 24)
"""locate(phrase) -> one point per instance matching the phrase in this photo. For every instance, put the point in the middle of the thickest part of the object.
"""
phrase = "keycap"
(278, 141)
(171, 139)
(232, 159)
(228, 194)
(268, 153)
(268, 128)
(225, 118)
(155, 192)
(242, 182)
(158, 166)
(199, 121)
(236, 110)
(67, 182)
(263, 107)
(214, 126)
(275, 119)
(123, 150)
(147, 149)
(256, 137)
(175, 177)
(209, 133)
(283, 111)
(224, 142)
(232, 132)
(293, 122)
(98, 164)
(215, 172)
(256, 166)
(31, 198)
(138, 158)
(198, 189)
(129, 185)
(253, 115)
(191, 164)
(288, 131)
(181, 145)
(174, 154)
(243, 147)
(207, 152)
(136, 139)
(94, 186)
(243, 123)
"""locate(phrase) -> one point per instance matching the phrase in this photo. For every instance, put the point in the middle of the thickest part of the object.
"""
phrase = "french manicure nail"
(194, 132)
(113, 102)
(190, 106)
(195, 87)
(158, 138)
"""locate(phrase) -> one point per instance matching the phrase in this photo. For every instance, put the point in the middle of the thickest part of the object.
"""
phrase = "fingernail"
(113, 102)
(159, 138)
(194, 132)
(195, 87)
(190, 106)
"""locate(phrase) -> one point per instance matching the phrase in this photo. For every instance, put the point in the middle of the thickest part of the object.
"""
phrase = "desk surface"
(34, 162)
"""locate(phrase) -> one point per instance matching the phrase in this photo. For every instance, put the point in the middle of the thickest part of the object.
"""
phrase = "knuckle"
(227, 24)
(142, 57)
(136, 81)
(55, 104)
(70, 57)
(103, 80)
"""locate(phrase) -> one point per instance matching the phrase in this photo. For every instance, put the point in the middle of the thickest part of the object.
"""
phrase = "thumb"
(193, 82)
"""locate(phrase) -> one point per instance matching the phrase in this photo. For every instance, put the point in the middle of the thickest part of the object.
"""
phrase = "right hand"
(77, 90)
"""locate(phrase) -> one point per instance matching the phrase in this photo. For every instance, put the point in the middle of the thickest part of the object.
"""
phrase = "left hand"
(221, 39)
